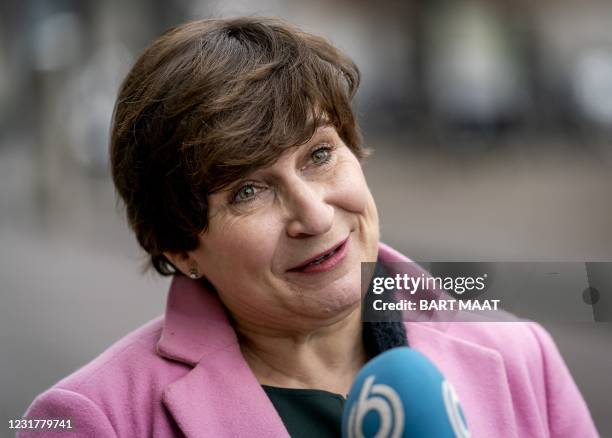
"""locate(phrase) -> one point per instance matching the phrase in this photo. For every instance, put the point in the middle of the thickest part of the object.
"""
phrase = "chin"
(341, 296)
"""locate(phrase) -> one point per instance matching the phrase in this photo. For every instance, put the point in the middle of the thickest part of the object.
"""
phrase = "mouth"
(325, 260)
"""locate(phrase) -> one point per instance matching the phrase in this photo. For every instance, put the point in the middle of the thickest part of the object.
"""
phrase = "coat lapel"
(220, 396)
(478, 375)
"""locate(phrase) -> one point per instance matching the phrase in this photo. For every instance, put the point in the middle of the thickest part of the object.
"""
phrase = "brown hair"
(210, 101)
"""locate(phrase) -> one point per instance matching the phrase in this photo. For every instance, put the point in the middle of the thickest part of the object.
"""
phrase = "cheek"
(350, 190)
(244, 245)
(352, 194)
(236, 259)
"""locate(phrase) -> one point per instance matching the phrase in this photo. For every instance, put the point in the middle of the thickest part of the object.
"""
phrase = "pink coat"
(183, 374)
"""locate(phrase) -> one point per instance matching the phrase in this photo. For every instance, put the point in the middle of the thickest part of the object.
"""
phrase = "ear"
(184, 263)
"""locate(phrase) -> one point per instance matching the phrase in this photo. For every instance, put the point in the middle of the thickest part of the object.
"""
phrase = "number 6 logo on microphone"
(386, 402)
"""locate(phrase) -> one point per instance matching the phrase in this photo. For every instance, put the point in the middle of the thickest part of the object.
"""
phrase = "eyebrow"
(326, 129)
(321, 131)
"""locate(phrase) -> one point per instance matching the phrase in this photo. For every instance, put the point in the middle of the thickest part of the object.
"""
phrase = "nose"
(309, 213)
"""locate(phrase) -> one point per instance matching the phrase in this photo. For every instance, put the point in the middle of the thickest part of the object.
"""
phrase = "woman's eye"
(321, 155)
(245, 193)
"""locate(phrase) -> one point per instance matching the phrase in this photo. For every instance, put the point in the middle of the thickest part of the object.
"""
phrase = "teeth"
(323, 257)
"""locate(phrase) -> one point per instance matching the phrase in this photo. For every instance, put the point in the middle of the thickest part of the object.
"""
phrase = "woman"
(236, 152)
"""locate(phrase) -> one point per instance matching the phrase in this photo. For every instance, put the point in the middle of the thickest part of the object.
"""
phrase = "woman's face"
(284, 245)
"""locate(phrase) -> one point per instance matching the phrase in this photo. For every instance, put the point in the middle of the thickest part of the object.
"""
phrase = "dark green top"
(308, 412)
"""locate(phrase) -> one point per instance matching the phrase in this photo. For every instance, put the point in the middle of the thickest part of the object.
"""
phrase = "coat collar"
(195, 323)
(220, 396)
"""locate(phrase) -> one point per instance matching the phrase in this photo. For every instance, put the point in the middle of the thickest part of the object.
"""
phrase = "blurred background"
(491, 123)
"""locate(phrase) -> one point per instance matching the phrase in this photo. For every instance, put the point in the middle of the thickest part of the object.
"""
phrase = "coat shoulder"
(521, 346)
(125, 364)
(510, 339)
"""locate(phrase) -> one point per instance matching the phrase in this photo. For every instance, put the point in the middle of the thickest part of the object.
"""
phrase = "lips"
(321, 257)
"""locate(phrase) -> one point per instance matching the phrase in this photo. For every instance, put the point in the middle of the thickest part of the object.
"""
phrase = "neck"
(326, 358)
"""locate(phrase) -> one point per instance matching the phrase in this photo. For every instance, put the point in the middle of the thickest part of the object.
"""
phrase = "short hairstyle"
(210, 101)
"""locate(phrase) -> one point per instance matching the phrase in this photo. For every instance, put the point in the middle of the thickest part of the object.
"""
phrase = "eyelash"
(325, 147)
(234, 197)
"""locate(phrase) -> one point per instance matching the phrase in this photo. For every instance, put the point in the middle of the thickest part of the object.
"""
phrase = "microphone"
(401, 393)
